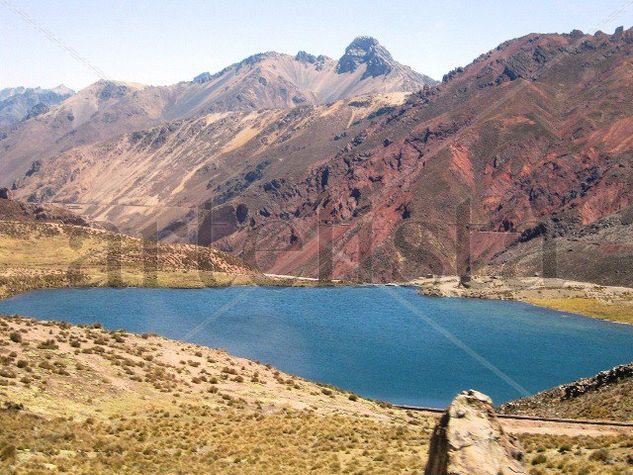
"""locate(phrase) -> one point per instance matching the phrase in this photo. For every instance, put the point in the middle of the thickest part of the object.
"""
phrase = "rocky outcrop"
(202, 78)
(13, 210)
(606, 395)
(5, 194)
(602, 379)
(366, 50)
(469, 439)
(38, 109)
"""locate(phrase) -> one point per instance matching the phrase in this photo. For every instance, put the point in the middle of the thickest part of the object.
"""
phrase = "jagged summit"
(362, 51)
(306, 57)
(62, 89)
(267, 80)
(366, 50)
(22, 103)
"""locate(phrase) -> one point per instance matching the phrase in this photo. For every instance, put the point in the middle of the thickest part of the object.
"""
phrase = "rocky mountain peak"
(203, 77)
(63, 90)
(110, 89)
(366, 50)
(305, 57)
(319, 62)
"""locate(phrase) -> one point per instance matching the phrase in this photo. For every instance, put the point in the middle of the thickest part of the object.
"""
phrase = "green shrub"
(564, 448)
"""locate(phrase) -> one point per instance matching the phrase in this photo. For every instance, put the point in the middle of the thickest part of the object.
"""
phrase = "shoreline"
(609, 303)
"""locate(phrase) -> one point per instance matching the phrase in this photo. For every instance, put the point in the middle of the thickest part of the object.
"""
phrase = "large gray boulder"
(469, 439)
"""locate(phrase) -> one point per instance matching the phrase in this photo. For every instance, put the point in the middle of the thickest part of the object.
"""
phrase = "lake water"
(385, 343)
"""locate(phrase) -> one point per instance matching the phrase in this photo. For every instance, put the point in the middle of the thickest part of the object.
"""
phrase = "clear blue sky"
(165, 41)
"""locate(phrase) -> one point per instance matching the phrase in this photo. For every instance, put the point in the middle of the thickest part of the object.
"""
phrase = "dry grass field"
(42, 255)
(591, 300)
(81, 399)
(606, 309)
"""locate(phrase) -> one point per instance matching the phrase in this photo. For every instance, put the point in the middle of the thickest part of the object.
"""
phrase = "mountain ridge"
(107, 109)
(536, 127)
(22, 103)
(363, 50)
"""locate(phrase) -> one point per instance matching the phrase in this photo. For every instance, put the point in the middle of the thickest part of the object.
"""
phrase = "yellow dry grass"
(80, 399)
(614, 311)
(45, 255)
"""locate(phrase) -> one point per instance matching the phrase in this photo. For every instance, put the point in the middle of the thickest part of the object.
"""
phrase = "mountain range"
(20, 103)
(108, 109)
(286, 160)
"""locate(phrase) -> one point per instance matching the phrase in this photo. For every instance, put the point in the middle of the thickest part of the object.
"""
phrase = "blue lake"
(385, 343)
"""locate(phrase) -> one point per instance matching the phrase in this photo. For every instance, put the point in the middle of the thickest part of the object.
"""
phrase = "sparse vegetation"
(157, 406)
(607, 396)
(137, 404)
(591, 307)
(36, 255)
(579, 455)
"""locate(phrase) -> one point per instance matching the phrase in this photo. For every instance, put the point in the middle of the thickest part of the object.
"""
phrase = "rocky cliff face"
(365, 50)
(469, 439)
(607, 395)
(599, 252)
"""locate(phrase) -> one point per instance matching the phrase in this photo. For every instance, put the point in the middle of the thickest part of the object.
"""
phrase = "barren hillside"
(535, 129)
(606, 396)
(108, 109)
